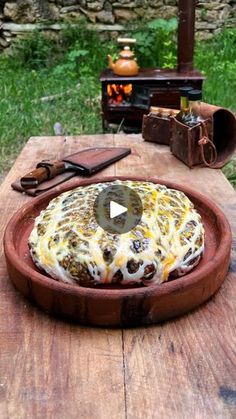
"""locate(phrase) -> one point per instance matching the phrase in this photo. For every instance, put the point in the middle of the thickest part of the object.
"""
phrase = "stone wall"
(20, 16)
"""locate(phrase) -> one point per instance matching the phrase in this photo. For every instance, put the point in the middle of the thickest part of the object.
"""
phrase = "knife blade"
(47, 170)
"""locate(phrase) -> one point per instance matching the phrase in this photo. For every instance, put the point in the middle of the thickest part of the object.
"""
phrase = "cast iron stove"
(126, 99)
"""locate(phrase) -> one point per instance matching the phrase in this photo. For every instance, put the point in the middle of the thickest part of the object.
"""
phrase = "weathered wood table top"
(184, 368)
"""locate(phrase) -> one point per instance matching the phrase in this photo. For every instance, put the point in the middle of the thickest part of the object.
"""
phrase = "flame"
(109, 90)
(127, 89)
(119, 92)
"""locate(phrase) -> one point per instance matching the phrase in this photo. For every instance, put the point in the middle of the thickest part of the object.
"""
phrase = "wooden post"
(186, 16)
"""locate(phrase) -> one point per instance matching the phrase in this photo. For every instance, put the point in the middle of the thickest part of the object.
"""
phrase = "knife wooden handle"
(44, 171)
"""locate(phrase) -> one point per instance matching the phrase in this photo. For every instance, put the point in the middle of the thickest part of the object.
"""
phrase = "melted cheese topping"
(70, 246)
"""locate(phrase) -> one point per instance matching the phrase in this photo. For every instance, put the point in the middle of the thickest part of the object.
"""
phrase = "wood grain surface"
(180, 369)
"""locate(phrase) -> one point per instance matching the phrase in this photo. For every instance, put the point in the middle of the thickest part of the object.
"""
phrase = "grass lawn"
(23, 114)
(25, 80)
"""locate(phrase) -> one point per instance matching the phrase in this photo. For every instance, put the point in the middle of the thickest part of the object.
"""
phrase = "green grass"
(217, 59)
(24, 115)
(37, 70)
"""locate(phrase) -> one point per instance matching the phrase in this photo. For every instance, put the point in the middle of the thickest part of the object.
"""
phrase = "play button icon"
(118, 208)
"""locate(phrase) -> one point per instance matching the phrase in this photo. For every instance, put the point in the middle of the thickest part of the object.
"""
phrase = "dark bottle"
(193, 117)
(184, 103)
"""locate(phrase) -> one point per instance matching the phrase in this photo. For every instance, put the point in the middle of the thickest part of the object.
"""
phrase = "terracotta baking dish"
(119, 306)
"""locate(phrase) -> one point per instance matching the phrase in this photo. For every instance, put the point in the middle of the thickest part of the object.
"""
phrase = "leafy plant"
(69, 52)
(72, 64)
(216, 58)
(156, 45)
(78, 42)
(35, 51)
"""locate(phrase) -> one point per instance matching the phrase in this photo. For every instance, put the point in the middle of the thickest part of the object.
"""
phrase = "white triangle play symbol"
(116, 209)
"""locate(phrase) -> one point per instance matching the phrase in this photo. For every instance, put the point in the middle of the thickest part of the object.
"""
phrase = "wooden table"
(183, 368)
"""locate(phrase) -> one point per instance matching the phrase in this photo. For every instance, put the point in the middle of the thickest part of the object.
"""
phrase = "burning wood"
(119, 94)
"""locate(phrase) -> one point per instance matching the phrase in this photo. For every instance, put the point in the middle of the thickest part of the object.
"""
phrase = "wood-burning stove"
(126, 99)
(151, 87)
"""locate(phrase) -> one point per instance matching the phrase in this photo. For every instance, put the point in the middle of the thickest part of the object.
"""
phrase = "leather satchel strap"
(205, 140)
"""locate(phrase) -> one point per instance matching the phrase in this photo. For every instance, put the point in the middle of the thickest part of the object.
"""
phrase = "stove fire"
(119, 94)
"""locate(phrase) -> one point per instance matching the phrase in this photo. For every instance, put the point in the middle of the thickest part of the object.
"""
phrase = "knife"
(47, 170)
(85, 162)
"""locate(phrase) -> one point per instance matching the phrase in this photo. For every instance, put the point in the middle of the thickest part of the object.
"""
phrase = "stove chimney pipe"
(186, 16)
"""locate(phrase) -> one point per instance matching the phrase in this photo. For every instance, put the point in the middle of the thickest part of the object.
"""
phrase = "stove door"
(141, 97)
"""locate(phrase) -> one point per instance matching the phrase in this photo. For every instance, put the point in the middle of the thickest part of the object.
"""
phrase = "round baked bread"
(71, 247)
